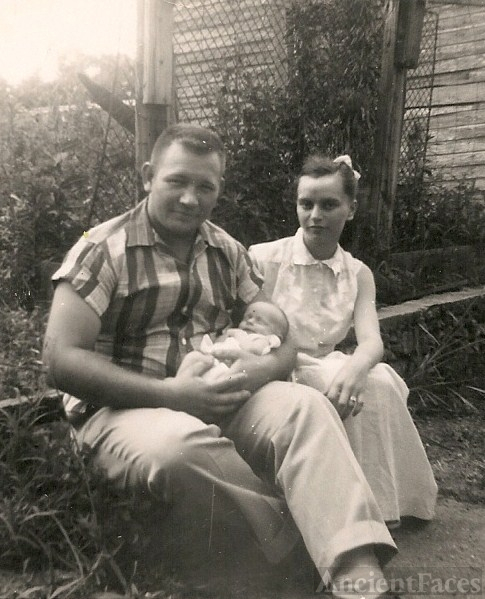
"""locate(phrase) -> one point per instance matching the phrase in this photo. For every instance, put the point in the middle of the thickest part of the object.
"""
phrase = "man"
(134, 296)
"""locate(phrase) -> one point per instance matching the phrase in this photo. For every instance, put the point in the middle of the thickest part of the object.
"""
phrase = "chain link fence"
(306, 48)
(419, 93)
(215, 40)
(234, 58)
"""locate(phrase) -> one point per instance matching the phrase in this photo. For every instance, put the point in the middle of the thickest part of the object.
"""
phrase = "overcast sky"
(34, 33)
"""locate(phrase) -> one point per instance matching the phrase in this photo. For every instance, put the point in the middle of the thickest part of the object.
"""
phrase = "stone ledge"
(390, 316)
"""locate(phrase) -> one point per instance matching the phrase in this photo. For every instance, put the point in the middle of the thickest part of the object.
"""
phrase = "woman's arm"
(351, 379)
(370, 349)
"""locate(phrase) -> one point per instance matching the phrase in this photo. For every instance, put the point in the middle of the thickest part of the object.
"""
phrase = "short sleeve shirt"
(317, 296)
(153, 308)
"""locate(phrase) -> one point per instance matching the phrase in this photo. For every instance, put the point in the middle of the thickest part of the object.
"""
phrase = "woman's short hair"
(199, 140)
(319, 165)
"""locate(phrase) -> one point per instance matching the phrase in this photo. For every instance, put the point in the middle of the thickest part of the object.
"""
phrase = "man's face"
(184, 187)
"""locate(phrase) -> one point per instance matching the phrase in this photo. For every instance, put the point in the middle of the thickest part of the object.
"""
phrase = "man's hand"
(241, 359)
(254, 367)
(207, 401)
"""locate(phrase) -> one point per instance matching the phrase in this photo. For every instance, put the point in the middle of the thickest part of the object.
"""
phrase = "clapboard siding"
(467, 133)
(475, 74)
(474, 33)
(441, 148)
(456, 147)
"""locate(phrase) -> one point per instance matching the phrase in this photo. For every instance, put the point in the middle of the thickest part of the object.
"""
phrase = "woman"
(324, 290)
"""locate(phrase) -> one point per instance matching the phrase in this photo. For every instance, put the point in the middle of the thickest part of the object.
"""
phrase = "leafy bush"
(56, 163)
(432, 215)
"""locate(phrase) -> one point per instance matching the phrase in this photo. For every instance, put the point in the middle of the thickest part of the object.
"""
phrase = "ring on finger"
(352, 400)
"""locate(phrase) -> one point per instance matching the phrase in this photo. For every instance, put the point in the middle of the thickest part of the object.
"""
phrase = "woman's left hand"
(345, 390)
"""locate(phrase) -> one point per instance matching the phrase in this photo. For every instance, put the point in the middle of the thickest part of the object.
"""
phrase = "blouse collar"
(302, 256)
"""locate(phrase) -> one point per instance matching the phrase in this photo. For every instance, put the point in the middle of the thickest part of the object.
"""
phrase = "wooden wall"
(457, 124)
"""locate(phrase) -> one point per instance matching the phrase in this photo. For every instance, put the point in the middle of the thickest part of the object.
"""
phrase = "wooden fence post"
(154, 74)
(402, 30)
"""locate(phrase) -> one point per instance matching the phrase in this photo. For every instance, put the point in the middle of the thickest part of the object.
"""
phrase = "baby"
(263, 327)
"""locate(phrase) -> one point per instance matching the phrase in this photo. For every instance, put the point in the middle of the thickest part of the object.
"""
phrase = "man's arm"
(74, 367)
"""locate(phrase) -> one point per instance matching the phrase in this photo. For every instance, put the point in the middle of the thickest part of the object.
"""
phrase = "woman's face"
(323, 208)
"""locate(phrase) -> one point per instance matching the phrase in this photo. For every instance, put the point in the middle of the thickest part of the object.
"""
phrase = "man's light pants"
(283, 460)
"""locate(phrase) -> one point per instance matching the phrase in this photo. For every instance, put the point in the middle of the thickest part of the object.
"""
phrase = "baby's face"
(262, 318)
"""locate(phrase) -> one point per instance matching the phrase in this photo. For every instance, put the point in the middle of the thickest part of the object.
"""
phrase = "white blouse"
(317, 296)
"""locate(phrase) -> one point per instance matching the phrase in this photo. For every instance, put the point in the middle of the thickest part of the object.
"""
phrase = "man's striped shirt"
(153, 308)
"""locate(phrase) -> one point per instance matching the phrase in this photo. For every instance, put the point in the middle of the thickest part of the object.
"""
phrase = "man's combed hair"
(318, 165)
(199, 140)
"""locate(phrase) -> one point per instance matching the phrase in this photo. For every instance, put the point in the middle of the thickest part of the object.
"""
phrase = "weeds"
(58, 513)
(444, 359)
(21, 336)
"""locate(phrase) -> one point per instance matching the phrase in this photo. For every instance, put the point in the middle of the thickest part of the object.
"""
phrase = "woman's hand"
(345, 390)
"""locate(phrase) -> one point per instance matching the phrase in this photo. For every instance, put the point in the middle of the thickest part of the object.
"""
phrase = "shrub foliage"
(56, 160)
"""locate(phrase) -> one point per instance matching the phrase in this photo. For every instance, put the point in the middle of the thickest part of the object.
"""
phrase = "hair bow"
(346, 158)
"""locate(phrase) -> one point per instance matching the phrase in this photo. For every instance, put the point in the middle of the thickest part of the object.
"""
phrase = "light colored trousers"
(283, 460)
(383, 438)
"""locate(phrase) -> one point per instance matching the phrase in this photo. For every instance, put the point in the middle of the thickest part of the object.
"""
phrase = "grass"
(444, 357)
(58, 515)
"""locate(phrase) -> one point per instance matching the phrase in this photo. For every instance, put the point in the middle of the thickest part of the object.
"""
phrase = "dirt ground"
(453, 543)
(456, 449)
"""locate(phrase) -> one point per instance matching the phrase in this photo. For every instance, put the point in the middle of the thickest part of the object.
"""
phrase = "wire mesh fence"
(230, 55)
(418, 104)
(215, 39)
(109, 155)
(323, 55)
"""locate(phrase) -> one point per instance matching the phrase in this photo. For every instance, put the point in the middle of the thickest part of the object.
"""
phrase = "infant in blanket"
(263, 327)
